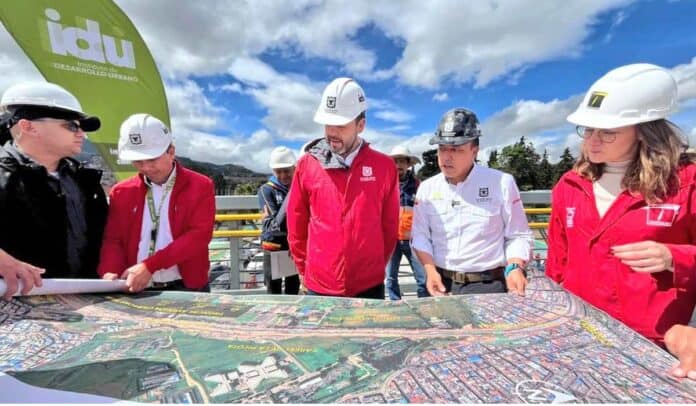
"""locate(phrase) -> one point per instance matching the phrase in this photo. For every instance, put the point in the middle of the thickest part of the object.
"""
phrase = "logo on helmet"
(135, 139)
(596, 99)
(361, 98)
(449, 125)
(331, 102)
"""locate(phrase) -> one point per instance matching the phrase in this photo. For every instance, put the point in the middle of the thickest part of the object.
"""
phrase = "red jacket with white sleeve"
(580, 252)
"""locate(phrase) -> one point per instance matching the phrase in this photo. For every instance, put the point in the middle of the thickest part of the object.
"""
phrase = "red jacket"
(342, 222)
(191, 218)
(580, 253)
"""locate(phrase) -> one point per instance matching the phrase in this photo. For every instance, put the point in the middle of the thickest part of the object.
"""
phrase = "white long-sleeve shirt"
(473, 226)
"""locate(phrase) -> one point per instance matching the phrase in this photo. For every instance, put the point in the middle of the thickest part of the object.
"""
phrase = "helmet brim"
(130, 155)
(596, 120)
(322, 117)
(90, 123)
(438, 139)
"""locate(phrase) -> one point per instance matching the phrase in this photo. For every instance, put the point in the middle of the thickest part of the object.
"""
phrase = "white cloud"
(190, 108)
(685, 75)
(14, 65)
(395, 116)
(249, 151)
(449, 39)
(482, 41)
(528, 118)
(440, 96)
(616, 21)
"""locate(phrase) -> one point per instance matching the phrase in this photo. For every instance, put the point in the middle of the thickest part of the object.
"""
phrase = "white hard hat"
(32, 100)
(627, 95)
(342, 101)
(400, 151)
(143, 136)
(282, 157)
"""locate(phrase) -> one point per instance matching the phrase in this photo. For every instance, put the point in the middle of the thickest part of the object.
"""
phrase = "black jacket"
(33, 218)
(272, 194)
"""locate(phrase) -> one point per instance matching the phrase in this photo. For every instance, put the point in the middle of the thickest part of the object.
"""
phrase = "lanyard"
(155, 215)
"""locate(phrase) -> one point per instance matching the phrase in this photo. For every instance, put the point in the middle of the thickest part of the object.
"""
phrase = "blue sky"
(244, 77)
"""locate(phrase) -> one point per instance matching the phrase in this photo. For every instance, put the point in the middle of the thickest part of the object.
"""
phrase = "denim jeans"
(403, 247)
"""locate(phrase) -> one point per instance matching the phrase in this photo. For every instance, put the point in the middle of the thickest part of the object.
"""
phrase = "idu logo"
(87, 44)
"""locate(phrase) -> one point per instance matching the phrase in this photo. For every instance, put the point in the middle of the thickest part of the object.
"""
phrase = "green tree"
(493, 159)
(563, 166)
(220, 184)
(521, 161)
(430, 166)
(245, 189)
(546, 173)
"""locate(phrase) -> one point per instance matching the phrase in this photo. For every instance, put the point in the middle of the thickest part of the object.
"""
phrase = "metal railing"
(243, 246)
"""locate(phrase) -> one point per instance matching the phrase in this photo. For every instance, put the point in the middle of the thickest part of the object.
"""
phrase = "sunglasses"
(72, 126)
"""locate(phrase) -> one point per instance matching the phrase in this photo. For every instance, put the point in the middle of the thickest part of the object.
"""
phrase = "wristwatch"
(511, 267)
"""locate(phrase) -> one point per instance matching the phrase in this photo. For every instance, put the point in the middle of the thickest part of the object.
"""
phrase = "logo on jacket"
(570, 217)
(661, 215)
(367, 174)
(331, 102)
(483, 195)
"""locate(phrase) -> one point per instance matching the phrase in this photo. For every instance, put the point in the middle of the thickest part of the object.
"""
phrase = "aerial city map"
(547, 347)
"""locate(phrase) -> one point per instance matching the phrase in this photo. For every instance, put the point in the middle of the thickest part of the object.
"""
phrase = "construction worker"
(344, 202)
(408, 185)
(274, 235)
(161, 220)
(53, 208)
(469, 227)
(621, 233)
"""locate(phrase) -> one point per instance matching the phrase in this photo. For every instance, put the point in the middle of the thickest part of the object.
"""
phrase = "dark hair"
(360, 116)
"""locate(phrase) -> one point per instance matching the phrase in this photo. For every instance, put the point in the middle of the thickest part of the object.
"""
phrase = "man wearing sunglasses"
(53, 208)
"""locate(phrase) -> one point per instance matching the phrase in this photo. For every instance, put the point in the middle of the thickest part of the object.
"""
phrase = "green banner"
(91, 48)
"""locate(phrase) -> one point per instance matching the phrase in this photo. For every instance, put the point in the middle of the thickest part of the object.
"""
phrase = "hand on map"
(13, 270)
(516, 282)
(138, 277)
(434, 284)
(681, 341)
(645, 256)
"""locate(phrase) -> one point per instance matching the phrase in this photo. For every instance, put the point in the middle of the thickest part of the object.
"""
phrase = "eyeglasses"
(606, 136)
(72, 126)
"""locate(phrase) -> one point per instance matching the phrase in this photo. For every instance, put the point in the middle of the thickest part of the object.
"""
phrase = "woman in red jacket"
(623, 233)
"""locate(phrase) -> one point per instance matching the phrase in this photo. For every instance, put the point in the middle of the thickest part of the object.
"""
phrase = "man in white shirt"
(469, 228)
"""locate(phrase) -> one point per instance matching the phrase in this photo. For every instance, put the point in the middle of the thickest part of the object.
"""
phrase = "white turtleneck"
(608, 186)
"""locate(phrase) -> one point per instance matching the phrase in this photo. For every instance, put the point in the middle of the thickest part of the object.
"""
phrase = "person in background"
(343, 208)
(470, 231)
(52, 208)
(274, 236)
(408, 184)
(621, 234)
(161, 220)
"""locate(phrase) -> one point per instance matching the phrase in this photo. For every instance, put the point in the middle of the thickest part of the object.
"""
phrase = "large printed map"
(186, 347)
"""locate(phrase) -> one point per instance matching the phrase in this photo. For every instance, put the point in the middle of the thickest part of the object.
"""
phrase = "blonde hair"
(653, 172)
